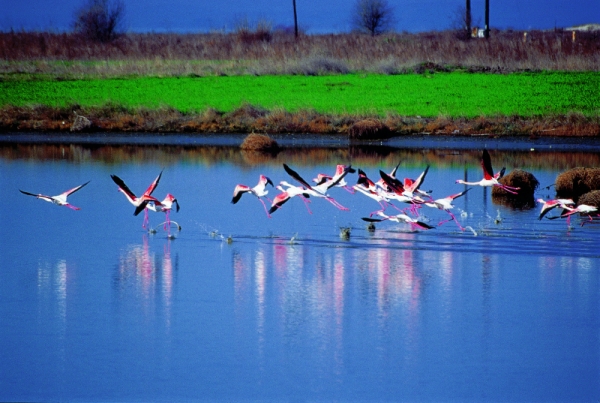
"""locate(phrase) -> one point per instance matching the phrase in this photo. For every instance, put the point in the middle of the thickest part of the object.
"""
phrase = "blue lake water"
(94, 308)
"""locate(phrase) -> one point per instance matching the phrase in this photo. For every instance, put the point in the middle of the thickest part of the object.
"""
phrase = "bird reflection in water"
(151, 276)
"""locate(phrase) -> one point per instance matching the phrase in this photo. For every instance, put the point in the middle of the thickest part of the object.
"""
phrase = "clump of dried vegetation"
(591, 198)
(259, 142)
(525, 181)
(576, 182)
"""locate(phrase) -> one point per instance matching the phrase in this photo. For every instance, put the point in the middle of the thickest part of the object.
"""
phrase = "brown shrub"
(591, 198)
(259, 142)
(369, 129)
(576, 182)
(525, 181)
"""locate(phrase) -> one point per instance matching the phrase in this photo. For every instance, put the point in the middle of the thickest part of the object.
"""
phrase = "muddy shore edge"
(248, 119)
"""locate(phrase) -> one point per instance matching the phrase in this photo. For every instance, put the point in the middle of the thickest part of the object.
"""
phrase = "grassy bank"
(429, 95)
(362, 86)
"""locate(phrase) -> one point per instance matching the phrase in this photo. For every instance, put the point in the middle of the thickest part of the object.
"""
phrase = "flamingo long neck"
(470, 183)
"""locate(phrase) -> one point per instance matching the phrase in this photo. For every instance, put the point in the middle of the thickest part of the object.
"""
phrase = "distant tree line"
(103, 20)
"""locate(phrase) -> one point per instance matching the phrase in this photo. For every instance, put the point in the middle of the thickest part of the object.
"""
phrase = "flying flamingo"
(551, 204)
(412, 186)
(373, 190)
(165, 206)
(59, 200)
(398, 192)
(260, 190)
(321, 178)
(321, 189)
(141, 202)
(287, 194)
(489, 178)
(399, 218)
(581, 209)
(445, 204)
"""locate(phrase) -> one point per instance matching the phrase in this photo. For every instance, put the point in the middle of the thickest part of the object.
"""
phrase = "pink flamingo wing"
(153, 185)
(486, 165)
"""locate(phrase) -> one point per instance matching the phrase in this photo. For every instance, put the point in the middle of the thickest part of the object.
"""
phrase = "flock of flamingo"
(386, 190)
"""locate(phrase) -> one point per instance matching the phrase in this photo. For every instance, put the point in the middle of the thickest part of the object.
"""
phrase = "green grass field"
(454, 94)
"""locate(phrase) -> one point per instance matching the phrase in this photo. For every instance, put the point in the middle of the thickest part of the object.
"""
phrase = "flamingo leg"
(265, 207)
(146, 221)
(168, 221)
(510, 189)
(306, 201)
(336, 204)
(455, 220)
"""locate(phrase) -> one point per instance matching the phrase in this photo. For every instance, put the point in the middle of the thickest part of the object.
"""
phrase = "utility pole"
(295, 21)
(468, 18)
(486, 31)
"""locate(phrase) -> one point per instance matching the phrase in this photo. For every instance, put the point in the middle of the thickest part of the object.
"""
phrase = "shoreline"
(300, 141)
(250, 119)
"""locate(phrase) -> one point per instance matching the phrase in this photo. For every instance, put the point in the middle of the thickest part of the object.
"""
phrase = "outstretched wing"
(123, 186)
(393, 173)
(279, 201)
(419, 181)
(369, 219)
(296, 176)
(68, 192)
(486, 164)
(28, 194)
(393, 183)
(423, 225)
(457, 195)
(153, 185)
(238, 192)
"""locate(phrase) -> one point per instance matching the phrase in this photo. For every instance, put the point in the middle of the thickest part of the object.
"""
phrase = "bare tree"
(461, 22)
(373, 16)
(100, 20)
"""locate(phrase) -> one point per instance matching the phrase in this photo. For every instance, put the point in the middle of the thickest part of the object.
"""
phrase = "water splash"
(472, 230)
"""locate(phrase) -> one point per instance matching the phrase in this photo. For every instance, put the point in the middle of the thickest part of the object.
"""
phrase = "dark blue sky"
(315, 16)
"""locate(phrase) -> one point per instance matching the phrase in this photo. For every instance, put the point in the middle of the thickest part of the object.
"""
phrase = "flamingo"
(551, 204)
(489, 178)
(398, 192)
(165, 206)
(399, 218)
(412, 186)
(260, 190)
(375, 191)
(581, 209)
(321, 189)
(59, 200)
(287, 194)
(321, 178)
(141, 202)
(445, 204)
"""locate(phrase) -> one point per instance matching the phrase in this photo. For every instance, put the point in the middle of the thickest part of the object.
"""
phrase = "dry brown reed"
(576, 182)
(591, 198)
(259, 142)
(275, 52)
(249, 118)
(525, 181)
(369, 129)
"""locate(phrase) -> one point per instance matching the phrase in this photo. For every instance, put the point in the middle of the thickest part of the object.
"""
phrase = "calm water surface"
(93, 308)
